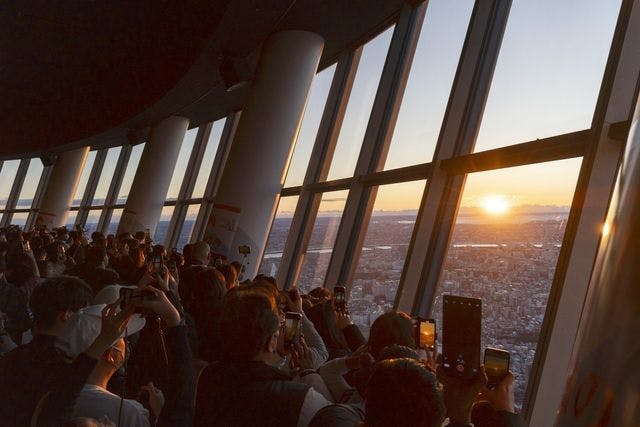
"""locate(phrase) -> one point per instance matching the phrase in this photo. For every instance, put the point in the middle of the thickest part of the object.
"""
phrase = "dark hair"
(247, 323)
(56, 295)
(320, 293)
(97, 236)
(188, 284)
(230, 274)
(402, 392)
(264, 278)
(20, 266)
(53, 251)
(391, 328)
(324, 319)
(95, 255)
(396, 351)
(208, 292)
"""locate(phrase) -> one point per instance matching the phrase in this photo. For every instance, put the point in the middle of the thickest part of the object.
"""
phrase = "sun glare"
(495, 205)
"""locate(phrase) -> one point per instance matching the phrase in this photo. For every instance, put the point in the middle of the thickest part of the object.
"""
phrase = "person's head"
(214, 283)
(138, 255)
(96, 256)
(55, 300)
(390, 328)
(396, 351)
(230, 275)
(55, 251)
(140, 236)
(249, 325)
(320, 294)
(201, 252)
(187, 288)
(20, 268)
(402, 392)
(323, 317)
(98, 239)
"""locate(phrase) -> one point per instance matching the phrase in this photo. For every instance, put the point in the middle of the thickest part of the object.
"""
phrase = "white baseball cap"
(110, 294)
(83, 327)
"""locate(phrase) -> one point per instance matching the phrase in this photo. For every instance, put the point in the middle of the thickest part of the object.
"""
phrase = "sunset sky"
(546, 83)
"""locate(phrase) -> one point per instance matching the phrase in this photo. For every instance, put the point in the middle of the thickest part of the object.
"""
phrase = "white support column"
(61, 187)
(264, 140)
(153, 176)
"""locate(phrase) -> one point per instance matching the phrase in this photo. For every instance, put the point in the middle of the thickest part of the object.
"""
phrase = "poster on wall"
(221, 229)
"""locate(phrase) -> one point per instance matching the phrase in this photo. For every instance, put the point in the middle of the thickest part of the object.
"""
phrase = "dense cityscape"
(509, 266)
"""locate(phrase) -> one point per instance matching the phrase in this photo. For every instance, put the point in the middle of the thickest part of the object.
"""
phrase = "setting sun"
(495, 205)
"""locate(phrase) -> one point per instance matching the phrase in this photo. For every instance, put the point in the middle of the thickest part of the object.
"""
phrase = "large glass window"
(427, 92)
(385, 246)
(359, 107)
(181, 164)
(130, 172)
(19, 218)
(504, 250)
(84, 178)
(323, 237)
(309, 128)
(115, 220)
(91, 224)
(163, 225)
(30, 185)
(7, 176)
(187, 226)
(278, 236)
(549, 70)
(71, 220)
(207, 160)
(106, 176)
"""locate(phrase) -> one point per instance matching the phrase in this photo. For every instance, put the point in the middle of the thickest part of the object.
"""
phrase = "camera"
(129, 297)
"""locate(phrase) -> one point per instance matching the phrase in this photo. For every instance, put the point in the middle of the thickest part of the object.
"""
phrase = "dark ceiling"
(88, 72)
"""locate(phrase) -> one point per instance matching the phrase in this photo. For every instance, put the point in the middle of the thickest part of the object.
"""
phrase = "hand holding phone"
(426, 334)
(340, 298)
(496, 365)
(291, 328)
(461, 329)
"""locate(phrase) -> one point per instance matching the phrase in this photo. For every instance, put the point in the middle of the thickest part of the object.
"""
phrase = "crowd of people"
(117, 331)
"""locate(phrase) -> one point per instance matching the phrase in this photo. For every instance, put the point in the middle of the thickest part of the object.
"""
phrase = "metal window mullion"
(375, 145)
(318, 168)
(114, 188)
(188, 183)
(37, 198)
(226, 138)
(458, 132)
(14, 194)
(92, 185)
(616, 101)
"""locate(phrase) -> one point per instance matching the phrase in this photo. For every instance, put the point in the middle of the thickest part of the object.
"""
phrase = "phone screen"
(339, 297)
(291, 326)
(461, 328)
(496, 365)
(427, 334)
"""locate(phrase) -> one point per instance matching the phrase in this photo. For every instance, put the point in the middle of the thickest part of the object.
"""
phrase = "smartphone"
(496, 365)
(291, 328)
(339, 295)
(461, 328)
(426, 334)
(157, 264)
(130, 296)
